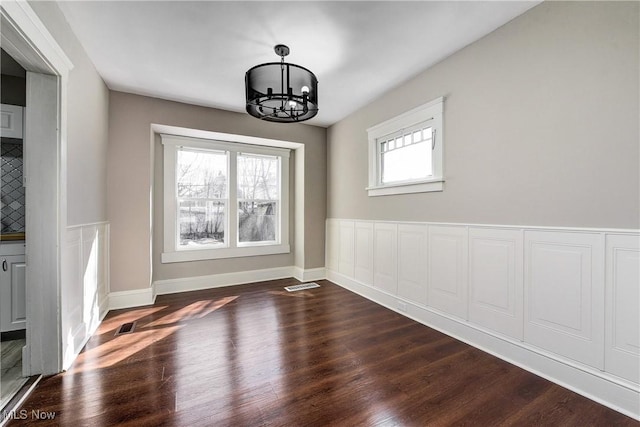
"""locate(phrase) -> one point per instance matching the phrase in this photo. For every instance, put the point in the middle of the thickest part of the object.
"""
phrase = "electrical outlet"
(402, 306)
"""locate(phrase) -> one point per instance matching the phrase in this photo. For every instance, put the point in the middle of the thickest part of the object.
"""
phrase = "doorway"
(13, 93)
(26, 40)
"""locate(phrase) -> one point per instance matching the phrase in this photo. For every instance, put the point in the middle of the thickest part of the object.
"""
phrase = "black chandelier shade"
(281, 92)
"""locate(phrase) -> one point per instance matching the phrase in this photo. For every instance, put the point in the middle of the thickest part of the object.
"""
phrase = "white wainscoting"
(564, 290)
(533, 296)
(622, 317)
(496, 280)
(364, 251)
(332, 248)
(447, 269)
(346, 249)
(385, 256)
(412, 269)
(85, 285)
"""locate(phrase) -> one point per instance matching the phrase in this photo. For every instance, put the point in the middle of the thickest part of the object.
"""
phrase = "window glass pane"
(201, 222)
(258, 177)
(257, 221)
(202, 174)
(416, 136)
(409, 163)
(407, 139)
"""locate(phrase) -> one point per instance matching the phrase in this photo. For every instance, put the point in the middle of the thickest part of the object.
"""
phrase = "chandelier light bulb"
(305, 89)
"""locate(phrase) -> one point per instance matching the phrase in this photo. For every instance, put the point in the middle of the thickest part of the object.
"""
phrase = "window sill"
(207, 254)
(415, 187)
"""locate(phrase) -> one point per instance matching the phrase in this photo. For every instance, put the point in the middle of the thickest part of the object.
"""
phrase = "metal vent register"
(302, 287)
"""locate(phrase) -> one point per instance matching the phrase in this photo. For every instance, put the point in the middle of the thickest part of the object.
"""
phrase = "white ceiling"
(198, 52)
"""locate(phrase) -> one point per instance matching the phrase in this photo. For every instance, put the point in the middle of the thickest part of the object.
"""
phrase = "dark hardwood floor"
(257, 355)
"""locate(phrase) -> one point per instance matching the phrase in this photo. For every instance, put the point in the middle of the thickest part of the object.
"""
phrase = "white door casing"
(28, 41)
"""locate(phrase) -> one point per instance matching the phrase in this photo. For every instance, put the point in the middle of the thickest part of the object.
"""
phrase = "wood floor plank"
(256, 355)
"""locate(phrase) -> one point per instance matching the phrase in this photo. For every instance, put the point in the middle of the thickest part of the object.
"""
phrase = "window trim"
(231, 248)
(430, 112)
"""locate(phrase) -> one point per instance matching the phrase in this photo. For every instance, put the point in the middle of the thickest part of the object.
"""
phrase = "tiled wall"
(11, 189)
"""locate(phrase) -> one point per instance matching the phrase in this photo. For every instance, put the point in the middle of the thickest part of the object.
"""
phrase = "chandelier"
(281, 92)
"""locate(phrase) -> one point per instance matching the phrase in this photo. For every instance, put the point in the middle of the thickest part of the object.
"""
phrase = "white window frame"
(231, 248)
(430, 114)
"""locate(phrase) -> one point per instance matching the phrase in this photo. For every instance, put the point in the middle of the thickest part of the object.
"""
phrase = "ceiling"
(197, 52)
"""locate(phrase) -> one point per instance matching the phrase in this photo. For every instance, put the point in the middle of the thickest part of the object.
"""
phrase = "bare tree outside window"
(258, 197)
(202, 197)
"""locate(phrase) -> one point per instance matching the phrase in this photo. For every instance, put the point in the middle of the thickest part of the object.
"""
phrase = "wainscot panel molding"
(412, 268)
(346, 248)
(447, 269)
(364, 251)
(495, 280)
(385, 257)
(564, 294)
(542, 298)
(332, 253)
(622, 317)
(85, 284)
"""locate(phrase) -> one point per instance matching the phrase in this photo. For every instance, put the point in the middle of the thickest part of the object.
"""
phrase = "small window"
(405, 153)
(409, 160)
(223, 199)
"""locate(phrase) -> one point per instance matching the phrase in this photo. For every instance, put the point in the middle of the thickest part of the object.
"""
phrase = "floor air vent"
(126, 328)
(302, 287)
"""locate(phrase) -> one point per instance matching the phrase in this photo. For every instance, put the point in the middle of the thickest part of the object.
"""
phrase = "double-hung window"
(405, 153)
(223, 199)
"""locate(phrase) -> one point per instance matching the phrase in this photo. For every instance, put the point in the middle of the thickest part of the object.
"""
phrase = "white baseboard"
(128, 299)
(103, 307)
(309, 274)
(172, 286)
(590, 383)
(140, 297)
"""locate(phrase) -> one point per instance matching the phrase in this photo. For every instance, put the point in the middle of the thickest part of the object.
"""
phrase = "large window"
(223, 199)
(405, 153)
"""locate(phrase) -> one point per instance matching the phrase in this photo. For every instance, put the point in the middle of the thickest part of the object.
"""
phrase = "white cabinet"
(12, 288)
(11, 121)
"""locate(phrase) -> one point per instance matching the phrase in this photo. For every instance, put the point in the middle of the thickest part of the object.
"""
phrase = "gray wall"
(87, 120)
(540, 126)
(130, 180)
